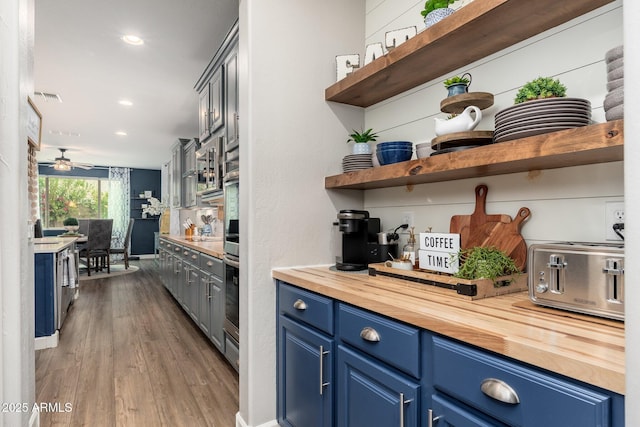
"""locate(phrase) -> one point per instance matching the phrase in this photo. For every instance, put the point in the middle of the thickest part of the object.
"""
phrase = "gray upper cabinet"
(203, 113)
(216, 102)
(231, 95)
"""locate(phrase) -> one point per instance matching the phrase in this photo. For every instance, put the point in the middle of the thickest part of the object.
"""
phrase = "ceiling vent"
(49, 97)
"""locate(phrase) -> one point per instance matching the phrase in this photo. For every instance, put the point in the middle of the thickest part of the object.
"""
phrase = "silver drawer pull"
(194, 256)
(369, 334)
(499, 390)
(300, 305)
(209, 263)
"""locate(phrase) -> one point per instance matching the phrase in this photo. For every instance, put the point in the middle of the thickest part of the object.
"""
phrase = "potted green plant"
(486, 263)
(540, 88)
(435, 11)
(362, 140)
(71, 225)
(458, 84)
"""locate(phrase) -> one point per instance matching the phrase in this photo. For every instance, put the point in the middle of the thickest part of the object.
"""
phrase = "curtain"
(119, 203)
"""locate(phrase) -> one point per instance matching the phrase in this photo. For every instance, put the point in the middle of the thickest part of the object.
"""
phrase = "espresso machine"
(360, 245)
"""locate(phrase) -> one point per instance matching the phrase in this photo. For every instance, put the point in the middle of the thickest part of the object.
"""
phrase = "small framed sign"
(34, 125)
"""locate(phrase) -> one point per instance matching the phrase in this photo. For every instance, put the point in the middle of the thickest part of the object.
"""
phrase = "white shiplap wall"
(566, 204)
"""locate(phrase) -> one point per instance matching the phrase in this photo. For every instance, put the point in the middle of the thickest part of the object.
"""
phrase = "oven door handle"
(231, 262)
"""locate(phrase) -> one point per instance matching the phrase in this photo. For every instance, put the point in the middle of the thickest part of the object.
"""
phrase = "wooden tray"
(449, 285)
(457, 103)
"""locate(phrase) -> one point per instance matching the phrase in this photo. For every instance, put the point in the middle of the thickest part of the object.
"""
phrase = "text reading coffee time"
(440, 242)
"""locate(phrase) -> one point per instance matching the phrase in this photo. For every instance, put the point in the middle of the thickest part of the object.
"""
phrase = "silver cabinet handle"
(369, 334)
(499, 390)
(322, 383)
(194, 256)
(300, 305)
(177, 249)
(431, 419)
(209, 263)
(402, 403)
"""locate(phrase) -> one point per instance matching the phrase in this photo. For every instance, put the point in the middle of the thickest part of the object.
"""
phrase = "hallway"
(129, 356)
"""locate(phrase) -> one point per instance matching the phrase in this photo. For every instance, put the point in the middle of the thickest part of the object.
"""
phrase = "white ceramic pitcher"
(461, 123)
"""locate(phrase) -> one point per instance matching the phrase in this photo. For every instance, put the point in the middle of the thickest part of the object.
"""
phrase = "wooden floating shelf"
(457, 103)
(480, 28)
(599, 143)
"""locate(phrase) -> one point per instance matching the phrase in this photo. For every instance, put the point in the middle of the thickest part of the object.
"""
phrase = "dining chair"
(98, 245)
(127, 242)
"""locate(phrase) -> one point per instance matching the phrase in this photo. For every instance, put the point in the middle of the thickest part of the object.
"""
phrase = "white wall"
(17, 360)
(290, 140)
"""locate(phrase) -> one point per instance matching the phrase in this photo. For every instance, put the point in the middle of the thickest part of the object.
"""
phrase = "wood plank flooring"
(130, 356)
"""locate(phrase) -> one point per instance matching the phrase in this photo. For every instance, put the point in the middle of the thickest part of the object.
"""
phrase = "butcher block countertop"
(586, 348)
(215, 248)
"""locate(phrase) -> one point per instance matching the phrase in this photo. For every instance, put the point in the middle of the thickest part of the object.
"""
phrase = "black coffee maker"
(360, 241)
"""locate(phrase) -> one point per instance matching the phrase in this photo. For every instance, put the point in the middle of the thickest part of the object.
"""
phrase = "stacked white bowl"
(614, 101)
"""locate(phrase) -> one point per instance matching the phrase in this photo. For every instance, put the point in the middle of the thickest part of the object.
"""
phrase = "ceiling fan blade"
(85, 166)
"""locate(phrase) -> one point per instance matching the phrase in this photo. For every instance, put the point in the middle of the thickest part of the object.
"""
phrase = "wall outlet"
(407, 218)
(614, 214)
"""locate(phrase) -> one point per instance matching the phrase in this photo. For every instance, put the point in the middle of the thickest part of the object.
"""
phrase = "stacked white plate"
(355, 162)
(541, 116)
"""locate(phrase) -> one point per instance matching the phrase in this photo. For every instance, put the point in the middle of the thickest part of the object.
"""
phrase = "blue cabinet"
(388, 373)
(45, 297)
(305, 368)
(371, 394)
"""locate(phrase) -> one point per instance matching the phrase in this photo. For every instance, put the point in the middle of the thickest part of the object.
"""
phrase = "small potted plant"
(458, 84)
(362, 140)
(486, 263)
(435, 11)
(71, 225)
(540, 88)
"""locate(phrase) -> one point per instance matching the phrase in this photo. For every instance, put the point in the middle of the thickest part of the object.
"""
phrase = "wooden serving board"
(448, 285)
(478, 222)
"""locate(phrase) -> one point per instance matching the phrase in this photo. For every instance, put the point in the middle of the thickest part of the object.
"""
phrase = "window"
(66, 197)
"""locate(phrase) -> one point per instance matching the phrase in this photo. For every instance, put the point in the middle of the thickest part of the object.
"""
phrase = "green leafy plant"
(70, 221)
(432, 5)
(542, 87)
(456, 80)
(485, 263)
(367, 136)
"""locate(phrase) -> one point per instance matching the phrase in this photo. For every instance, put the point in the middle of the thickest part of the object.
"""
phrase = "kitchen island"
(586, 348)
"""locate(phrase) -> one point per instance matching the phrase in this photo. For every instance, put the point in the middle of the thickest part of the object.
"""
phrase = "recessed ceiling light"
(121, 133)
(125, 102)
(133, 40)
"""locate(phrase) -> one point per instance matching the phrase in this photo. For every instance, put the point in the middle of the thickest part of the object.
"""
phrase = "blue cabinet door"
(371, 394)
(45, 272)
(305, 376)
(446, 412)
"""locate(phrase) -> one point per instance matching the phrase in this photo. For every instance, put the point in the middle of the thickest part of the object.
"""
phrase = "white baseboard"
(47, 342)
(241, 423)
(34, 419)
(146, 256)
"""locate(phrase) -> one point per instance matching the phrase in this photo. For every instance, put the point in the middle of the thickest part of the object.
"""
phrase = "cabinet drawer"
(538, 399)
(189, 255)
(393, 342)
(211, 265)
(305, 306)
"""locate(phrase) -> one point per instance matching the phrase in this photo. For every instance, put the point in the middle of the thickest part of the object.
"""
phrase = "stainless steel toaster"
(577, 276)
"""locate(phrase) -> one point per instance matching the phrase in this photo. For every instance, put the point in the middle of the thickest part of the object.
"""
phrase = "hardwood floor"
(130, 356)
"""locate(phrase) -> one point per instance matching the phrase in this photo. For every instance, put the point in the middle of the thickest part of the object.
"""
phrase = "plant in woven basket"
(542, 87)
(485, 263)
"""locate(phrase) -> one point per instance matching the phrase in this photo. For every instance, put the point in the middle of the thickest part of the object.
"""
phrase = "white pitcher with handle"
(461, 123)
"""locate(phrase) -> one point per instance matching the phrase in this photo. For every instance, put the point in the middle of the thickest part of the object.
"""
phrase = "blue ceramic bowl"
(387, 157)
(394, 144)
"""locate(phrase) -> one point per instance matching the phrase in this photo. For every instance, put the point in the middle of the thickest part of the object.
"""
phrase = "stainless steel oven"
(232, 214)
(232, 298)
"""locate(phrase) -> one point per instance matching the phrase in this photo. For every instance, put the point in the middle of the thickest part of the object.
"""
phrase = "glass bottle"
(409, 250)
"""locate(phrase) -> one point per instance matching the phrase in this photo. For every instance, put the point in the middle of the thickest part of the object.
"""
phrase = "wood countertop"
(586, 348)
(215, 248)
(43, 245)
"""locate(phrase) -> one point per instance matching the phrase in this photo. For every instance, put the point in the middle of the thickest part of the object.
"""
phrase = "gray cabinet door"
(231, 100)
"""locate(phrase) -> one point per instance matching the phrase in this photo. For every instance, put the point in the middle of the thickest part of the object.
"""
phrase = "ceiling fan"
(64, 164)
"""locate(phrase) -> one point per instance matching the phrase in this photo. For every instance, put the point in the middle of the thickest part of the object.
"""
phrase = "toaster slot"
(614, 270)
(556, 267)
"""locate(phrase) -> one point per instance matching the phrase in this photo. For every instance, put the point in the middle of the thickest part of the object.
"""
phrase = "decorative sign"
(395, 38)
(374, 51)
(345, 65)
(438, 252)
(34, 125)
(443, 262)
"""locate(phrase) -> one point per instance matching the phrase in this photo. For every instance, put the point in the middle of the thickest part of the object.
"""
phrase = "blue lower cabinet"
(515, 394)
(305, 376)
(372, 394)
(45, 298)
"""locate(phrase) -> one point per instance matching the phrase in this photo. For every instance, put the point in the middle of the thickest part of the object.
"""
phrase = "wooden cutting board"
(476, 223)
(507, 238)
